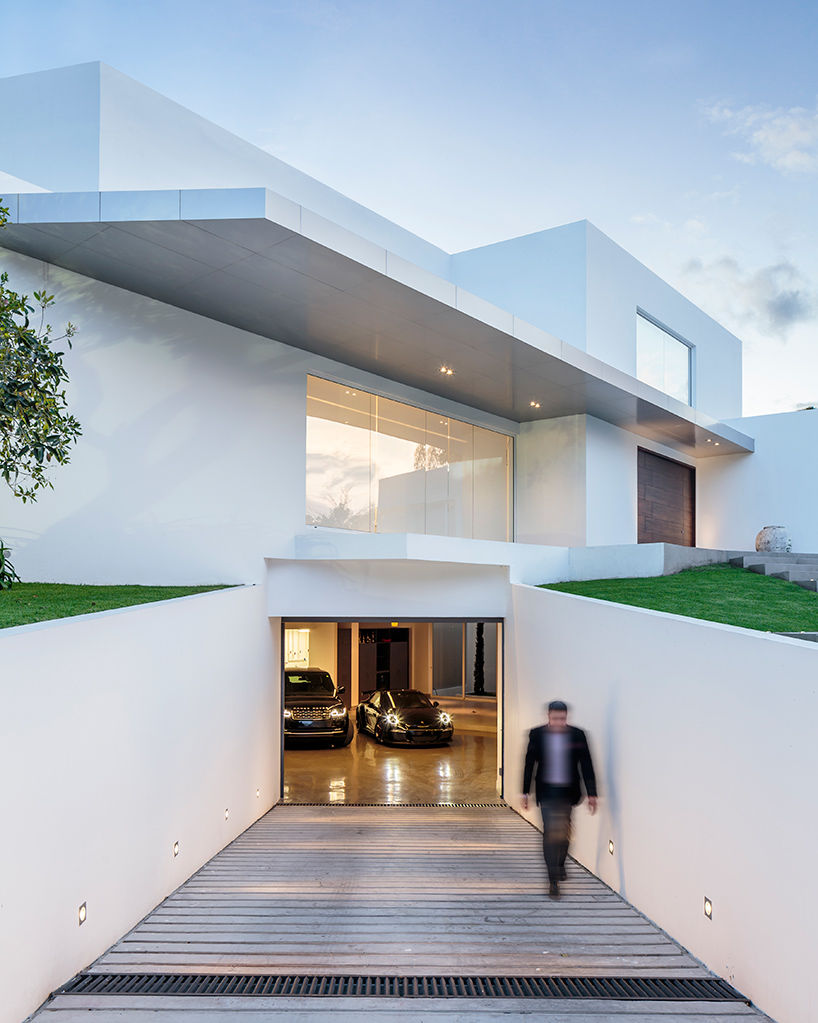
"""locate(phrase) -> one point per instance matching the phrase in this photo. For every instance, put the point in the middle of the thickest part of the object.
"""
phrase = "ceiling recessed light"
(534, 404)
(446, 371)
(717, 443)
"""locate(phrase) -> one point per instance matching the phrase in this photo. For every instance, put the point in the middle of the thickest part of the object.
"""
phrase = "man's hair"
(558, 705)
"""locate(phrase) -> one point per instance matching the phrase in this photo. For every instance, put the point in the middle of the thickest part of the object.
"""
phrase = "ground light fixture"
(708, 908)
(82, 914)
(175, 849)
(611, 847)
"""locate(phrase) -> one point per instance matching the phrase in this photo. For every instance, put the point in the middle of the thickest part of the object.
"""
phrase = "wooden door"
(666, 500)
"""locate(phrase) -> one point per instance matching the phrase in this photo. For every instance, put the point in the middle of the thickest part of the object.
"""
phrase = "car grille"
(310, 713)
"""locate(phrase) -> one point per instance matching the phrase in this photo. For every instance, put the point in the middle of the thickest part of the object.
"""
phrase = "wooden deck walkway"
(394, 891)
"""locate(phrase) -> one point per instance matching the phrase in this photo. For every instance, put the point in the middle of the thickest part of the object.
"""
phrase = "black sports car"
(406, 716)
(312, 709)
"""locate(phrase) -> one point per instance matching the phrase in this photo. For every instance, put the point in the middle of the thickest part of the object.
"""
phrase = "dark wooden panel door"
(667, 500)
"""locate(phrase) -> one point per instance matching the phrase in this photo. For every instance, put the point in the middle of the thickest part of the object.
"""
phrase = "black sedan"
(407, 717)
(312, 709)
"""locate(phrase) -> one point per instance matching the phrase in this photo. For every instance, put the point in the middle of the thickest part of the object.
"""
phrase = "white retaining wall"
(121, 733)
(704, 740)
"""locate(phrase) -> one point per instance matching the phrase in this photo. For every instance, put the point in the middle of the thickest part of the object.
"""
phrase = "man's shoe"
(553, 890)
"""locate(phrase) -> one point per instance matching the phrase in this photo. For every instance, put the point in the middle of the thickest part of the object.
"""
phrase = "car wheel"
(349, 736)
(361, 720)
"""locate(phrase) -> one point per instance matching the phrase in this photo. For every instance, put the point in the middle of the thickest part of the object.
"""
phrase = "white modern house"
(282, 390)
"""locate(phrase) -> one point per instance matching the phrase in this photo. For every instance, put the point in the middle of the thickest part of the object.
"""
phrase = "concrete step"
(766, 563)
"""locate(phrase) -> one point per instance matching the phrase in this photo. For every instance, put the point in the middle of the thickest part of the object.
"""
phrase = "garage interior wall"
(706, 761)
(125, 732)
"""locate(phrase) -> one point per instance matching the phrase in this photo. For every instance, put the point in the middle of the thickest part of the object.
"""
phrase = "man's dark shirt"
(579, 764)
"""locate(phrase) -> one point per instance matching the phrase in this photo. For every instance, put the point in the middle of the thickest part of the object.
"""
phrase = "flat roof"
(255, 260)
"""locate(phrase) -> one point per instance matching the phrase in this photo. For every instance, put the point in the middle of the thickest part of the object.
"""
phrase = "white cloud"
(772, 298)
(785, 138)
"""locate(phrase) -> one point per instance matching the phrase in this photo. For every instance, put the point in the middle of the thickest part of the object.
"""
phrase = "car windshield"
(410, 698)
(308, 683)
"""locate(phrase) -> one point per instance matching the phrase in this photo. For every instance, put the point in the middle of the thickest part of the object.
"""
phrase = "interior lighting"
(611, 847)
(175, 849)
(394, 625)
(534, 404)
(708, 908)
(82, 914)
(447, 371)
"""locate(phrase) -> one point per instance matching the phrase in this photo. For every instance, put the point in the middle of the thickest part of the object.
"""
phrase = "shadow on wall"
(609, 788)
(176, 412)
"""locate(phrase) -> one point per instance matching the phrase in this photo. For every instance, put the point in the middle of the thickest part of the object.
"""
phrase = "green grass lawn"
(717, 593)
(40, 602)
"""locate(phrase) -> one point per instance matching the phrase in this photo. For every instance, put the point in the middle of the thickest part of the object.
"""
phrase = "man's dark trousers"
(556, 807)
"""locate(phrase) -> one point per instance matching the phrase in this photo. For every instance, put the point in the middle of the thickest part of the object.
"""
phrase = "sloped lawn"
(40, 602)
(717, 593)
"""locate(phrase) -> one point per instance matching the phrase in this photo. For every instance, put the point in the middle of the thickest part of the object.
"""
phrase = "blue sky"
(689, 133)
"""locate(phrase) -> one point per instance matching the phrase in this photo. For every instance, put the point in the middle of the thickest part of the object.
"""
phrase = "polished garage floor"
(367, 772)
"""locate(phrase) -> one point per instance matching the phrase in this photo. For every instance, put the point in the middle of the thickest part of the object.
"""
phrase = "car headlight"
(338, 712)
(445, 719)
(288, 713)
(393, 719)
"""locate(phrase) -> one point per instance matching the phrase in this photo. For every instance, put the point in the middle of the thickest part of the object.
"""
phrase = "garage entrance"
(418, 701)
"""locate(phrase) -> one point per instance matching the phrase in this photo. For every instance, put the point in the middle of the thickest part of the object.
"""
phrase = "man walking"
(560, 753)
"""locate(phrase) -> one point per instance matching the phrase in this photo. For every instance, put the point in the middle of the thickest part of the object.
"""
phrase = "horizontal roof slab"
(256, 261)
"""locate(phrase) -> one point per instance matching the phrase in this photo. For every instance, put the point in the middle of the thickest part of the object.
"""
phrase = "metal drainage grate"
(435, 806)
(670, 989)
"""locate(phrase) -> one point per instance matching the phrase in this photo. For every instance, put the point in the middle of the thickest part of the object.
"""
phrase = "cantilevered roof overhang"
(257, 261)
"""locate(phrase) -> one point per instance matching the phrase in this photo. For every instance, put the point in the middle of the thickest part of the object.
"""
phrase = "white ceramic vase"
(774, 539)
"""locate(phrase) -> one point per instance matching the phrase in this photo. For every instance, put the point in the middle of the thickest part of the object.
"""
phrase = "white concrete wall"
(121, 733)
(610, 485)
(775, 486)
(360, 590)
(550, 497)
(703, 737)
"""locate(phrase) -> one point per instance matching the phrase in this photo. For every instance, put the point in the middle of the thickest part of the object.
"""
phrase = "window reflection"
(662, 360)
(380, 465)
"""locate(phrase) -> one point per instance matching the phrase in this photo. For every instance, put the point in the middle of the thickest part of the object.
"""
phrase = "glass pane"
(481, 659)
(677, 370)
(492, 485)
(437, 473)
(398, 467)
(662, 360)
(447, 659)
(459, 508)
(338, 455)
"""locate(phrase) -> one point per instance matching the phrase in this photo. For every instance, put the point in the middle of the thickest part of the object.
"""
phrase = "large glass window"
(662, 360)
(464, 659)
(382, 466)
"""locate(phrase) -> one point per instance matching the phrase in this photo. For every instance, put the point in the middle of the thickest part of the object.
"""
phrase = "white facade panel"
(705, 780)
(125, 732)
(775, 486)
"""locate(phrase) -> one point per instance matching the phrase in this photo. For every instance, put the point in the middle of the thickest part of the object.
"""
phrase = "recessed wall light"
(175, 849)
(611, 847)
(394, 625)
(708, 908)
(82, 914)
(258, 793)
(226, 814)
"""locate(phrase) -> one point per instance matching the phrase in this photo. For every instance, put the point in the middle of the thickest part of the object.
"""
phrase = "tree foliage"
(36, 429)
